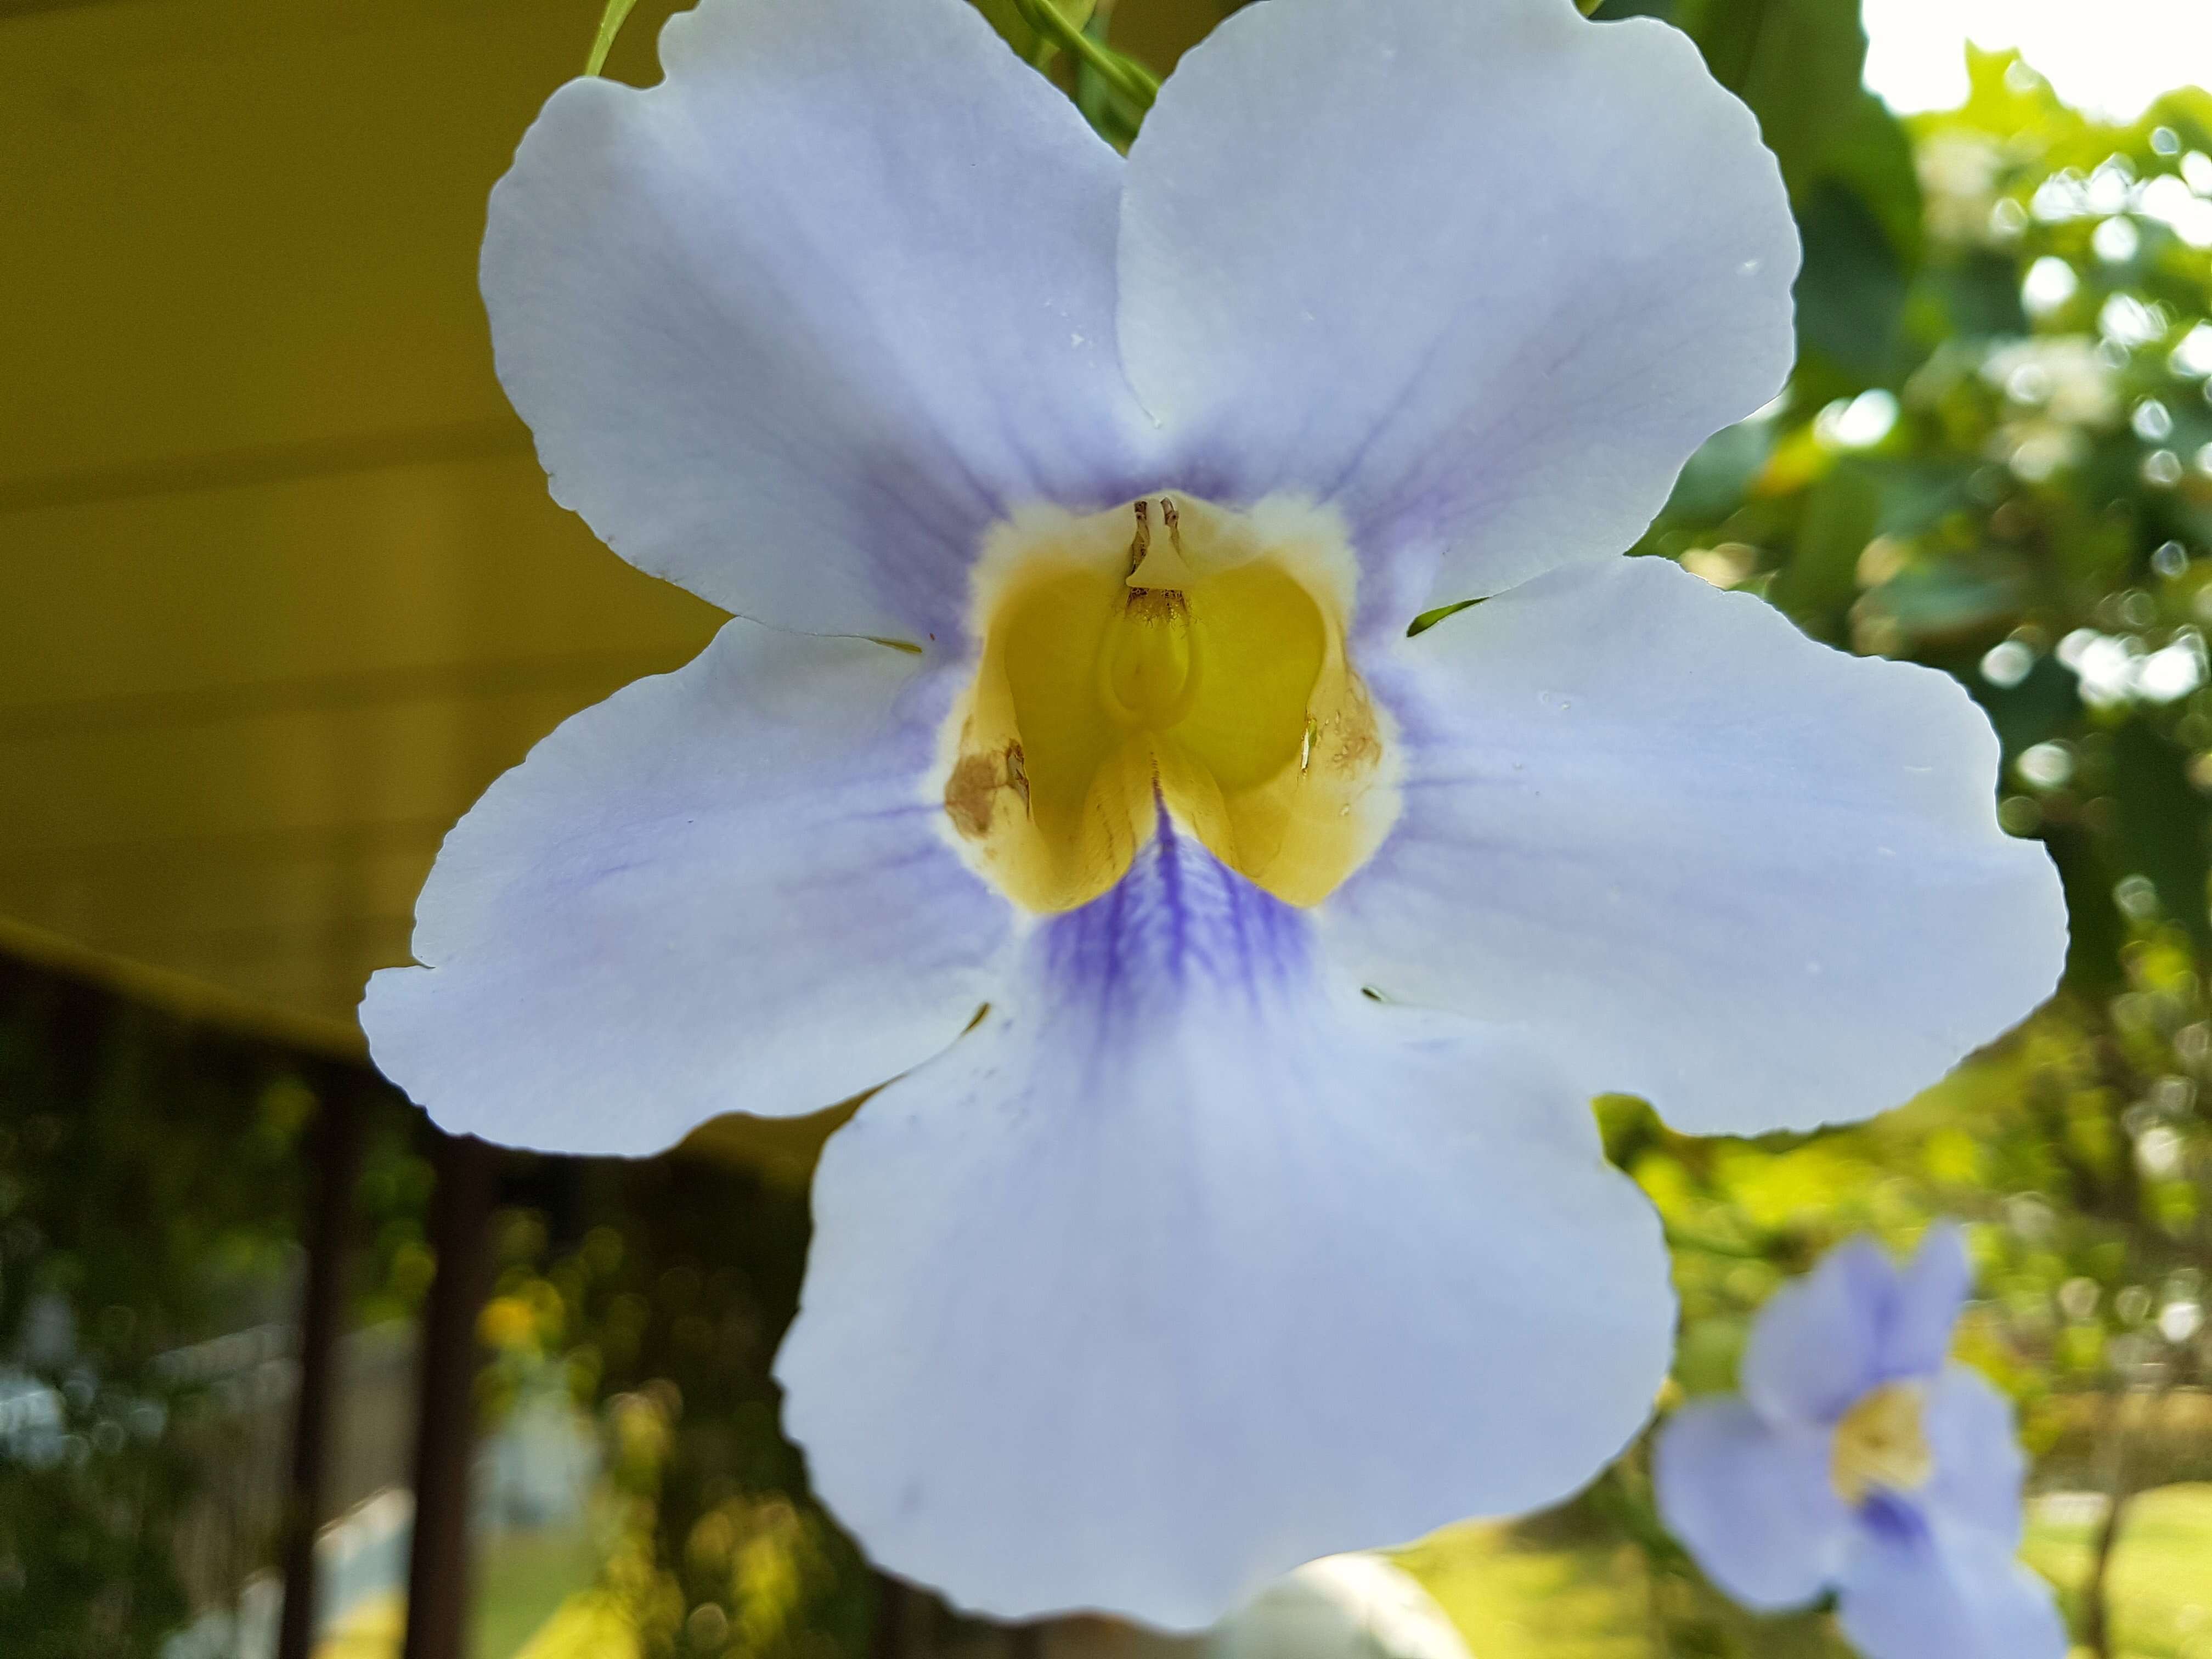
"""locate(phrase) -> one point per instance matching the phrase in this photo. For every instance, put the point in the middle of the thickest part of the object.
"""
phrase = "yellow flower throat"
(1170, 654)
(1881, 1441)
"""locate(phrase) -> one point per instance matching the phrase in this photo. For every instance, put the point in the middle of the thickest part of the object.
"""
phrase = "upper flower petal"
(1180, 1270)
(1481, 275)
(721, 890)
(1816, 1346)
(1716, 864)
(1941, 1592)
(1752, 1501)
(1978, 1463)
(1930, 1291)
(794, 326)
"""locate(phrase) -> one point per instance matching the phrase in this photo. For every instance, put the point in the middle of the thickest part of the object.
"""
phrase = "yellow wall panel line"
(322, 458)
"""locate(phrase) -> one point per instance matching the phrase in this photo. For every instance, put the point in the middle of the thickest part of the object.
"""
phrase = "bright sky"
(2111, 57)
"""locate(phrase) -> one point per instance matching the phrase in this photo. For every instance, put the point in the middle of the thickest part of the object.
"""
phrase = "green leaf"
(1428, 619)
(1713, 481)
(1819, 583)
(1872, 155)
(1979, 295)
(1796, 63)
(2044, 705)
(2094, 935)
(1852, 288)
(1918, 491)
(1946, 606)
(2162, 825)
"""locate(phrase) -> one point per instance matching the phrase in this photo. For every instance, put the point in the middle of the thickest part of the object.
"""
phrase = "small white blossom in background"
(2048, 284)
(2063, 375)
(2063, 387)
(1959, 174)
(1342, 1607)
(1231, 965)
(2007, 663)
(2127, 322)
(2179, 1321)
(1859, 423)
(2193, 355)
(2114, 670)
(2169, 200)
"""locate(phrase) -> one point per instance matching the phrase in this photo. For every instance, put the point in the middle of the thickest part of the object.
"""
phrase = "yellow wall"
(280, 586)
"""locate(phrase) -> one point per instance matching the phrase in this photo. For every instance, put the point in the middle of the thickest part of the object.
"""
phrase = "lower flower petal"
(1938, 1592)
(1180, 1270)
(1756, 880)
(721, 890)
(1979, 1466)
(1752, 1502)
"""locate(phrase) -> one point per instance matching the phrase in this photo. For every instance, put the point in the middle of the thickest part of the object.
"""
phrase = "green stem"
(1130, 78)
(611, 22)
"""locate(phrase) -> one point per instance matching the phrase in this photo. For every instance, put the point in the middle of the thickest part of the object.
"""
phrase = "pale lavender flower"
(1189, 1262)
(1858, 1459)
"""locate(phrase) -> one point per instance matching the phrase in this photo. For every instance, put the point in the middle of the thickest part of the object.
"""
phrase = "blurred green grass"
(2161, 1572)
(523, 1579)
(1542, 1592)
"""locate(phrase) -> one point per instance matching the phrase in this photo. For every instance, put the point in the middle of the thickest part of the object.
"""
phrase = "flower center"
(1881, 1442)
(1169, 655)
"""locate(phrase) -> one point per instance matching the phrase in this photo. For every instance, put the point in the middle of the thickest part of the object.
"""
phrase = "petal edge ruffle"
(721, 890)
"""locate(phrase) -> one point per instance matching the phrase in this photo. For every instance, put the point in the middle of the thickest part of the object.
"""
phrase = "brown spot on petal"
(971, 795)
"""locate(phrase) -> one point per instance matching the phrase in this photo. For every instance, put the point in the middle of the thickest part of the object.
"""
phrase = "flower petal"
(1341, 1607)
(1179, 1271)
(1941, 1592)
(1754, 879)
(794, 326)
(1752, 1502)
(1931, 1289)
(721, 890)
(1979, 1466)
(1484, 275)
(1816, 1346)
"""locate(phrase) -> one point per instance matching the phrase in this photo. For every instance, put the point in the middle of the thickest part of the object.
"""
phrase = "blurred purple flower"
(1857, 1460)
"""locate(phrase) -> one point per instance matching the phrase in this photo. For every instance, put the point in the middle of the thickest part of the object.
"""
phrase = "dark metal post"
(336, 1152)
(438, 1564)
